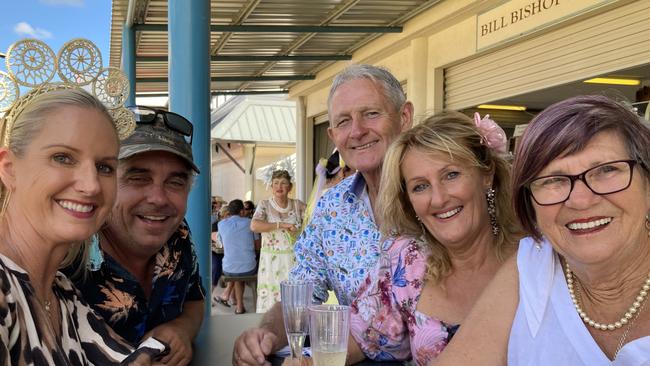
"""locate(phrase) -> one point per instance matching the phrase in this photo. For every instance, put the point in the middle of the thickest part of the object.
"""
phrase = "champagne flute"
(329, 326)
(296, 296)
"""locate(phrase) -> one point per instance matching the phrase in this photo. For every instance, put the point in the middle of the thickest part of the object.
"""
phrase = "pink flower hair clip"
(492, 135)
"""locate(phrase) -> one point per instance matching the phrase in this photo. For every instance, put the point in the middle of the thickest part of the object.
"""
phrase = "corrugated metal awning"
(261, 46)
(263, 120)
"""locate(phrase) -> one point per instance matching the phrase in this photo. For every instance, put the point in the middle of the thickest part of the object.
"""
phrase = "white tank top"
(547, 329)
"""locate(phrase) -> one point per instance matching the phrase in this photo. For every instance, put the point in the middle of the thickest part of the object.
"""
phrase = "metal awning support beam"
(223, 92)
(236, 78)
(229, 58)
(248, 92)
(280, 28)
(225, 151)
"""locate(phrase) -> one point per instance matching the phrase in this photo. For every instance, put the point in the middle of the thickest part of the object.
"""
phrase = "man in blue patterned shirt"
(367, 110)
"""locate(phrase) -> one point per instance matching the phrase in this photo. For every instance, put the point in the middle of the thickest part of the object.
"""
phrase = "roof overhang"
(260, 46)
(256, 119)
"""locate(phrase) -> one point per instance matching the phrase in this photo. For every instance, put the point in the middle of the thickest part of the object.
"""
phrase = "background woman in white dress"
(279, 220)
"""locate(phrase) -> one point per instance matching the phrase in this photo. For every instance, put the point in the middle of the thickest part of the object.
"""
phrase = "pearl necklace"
(629, 314)
(277, 206)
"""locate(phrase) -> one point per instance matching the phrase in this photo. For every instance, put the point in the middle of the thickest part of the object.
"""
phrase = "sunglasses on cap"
(173, 121)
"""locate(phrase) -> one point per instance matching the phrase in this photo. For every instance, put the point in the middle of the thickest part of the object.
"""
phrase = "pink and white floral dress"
(384, 319)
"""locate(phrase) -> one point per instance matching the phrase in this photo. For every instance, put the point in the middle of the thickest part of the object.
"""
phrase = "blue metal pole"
(189, 96)
(128, 60)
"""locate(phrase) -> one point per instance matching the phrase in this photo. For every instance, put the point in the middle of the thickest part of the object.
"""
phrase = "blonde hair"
(454, 134)
(29, 122)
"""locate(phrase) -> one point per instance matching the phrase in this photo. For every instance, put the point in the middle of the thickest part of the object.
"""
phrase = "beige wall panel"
(455, 43)
(607, 42)
(227, 180)
(317, 101)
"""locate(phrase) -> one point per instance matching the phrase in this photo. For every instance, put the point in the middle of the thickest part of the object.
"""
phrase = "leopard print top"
(26, 336)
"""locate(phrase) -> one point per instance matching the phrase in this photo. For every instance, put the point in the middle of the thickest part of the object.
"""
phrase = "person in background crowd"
(445, 208)
(58, 160)
(249, 209)
(148, 280)
(217, 204)
(278, 219)
(328, 174)
(217, 253)
(367, 111)
(239, 246)
(577, 291)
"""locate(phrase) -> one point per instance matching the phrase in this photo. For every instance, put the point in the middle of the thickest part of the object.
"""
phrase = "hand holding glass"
(296, 297)
(329, 326)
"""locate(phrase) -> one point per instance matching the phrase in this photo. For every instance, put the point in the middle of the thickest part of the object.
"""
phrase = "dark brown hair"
(565, 128)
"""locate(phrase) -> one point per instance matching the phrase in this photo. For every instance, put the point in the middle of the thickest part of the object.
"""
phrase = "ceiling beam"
(235, 78)
(279, 28)
(222, 92)
(242, 58)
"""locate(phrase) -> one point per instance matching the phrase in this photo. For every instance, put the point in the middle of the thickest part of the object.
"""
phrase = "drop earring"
(490, 197)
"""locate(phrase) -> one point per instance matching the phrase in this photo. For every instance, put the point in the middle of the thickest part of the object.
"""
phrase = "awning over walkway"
(260, 46)
(262, 120)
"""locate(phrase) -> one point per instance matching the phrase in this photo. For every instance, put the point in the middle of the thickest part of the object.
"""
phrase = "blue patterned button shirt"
(340, 245)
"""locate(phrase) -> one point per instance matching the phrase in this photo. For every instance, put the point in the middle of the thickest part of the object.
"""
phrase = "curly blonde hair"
(454, 134)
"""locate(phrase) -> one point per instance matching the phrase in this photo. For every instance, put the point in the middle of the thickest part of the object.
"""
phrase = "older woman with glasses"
(576, 291)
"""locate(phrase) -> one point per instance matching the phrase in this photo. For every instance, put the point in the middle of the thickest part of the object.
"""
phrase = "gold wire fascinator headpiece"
(32, 64)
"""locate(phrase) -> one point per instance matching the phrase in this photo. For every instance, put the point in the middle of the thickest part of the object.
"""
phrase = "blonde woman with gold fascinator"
(576, 293)
(57, 167)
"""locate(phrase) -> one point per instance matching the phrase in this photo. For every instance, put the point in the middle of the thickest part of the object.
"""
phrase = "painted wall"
(229, 182)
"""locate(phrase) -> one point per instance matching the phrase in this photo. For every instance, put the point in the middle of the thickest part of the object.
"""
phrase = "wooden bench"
(250, 281)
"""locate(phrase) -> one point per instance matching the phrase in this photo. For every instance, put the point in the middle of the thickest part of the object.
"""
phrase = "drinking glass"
(329, 326)
(296, 297)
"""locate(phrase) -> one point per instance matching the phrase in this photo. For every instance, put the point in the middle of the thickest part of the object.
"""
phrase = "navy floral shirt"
(116, 294)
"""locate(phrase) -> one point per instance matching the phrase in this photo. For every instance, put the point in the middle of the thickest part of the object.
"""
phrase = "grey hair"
(391, 87)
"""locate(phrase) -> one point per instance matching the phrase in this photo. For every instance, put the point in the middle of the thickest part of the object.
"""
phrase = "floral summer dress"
(276, 255)
(27, 338)
(384, 318)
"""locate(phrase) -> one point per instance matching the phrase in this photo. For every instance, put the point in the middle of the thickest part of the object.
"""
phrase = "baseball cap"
(159, 130)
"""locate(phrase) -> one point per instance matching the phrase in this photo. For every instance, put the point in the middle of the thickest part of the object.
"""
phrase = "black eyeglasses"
(606, 178)
(173, 121)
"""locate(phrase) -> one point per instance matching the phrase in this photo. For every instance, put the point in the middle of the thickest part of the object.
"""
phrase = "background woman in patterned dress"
(57, 167)
(279, 220)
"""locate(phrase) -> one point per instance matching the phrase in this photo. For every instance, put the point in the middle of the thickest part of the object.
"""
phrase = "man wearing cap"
(147, 279)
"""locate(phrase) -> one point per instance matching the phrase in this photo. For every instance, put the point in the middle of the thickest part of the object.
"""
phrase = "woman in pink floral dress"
(445, 205)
